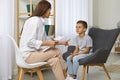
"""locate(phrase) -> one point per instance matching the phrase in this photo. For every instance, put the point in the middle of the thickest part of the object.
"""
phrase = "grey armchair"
(103, 41)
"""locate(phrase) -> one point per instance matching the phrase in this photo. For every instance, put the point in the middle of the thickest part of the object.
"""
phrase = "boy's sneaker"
(69, 78)
(74, 79)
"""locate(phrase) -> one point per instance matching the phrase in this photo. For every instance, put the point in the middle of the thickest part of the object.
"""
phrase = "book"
(58, 38)
(47, 29)
(51, 30)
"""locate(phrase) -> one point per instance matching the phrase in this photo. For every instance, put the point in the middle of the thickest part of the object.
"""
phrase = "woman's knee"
(57, 51)
(53, 61)
(56, 59)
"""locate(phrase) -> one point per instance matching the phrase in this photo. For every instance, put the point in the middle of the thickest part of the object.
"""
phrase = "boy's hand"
(74, 54)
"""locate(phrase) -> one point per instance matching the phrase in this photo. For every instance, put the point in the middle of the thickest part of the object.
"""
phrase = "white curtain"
(6, 49)
(68, 12)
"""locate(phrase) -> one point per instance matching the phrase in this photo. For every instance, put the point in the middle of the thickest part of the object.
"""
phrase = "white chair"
(23, 66)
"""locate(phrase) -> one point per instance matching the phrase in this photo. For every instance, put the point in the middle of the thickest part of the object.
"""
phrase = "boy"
(83, 48)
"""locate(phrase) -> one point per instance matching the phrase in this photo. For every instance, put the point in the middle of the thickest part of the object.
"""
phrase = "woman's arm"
(30, 35)
(62, 42)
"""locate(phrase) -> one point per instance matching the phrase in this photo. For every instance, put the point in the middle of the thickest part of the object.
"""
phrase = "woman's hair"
(41, 8)
(84, 23)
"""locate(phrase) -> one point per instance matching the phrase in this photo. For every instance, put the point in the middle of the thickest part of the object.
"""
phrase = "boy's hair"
(84, 23)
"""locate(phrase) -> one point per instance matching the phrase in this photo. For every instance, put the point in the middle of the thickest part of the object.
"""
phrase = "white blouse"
(32, 36)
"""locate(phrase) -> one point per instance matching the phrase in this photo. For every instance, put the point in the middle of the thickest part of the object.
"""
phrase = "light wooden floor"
(94, 72)
(47, 73)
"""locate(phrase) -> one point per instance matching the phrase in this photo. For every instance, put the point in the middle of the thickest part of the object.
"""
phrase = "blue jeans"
(73, 65)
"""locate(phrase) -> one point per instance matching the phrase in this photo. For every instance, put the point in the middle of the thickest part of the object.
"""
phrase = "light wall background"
(106, 13)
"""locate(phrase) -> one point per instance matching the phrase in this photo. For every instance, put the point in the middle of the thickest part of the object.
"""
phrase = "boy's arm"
(86, 51)
(76, 49)
(75, 52)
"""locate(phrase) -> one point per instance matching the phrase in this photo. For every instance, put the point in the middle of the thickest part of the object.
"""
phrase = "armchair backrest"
(104, 39)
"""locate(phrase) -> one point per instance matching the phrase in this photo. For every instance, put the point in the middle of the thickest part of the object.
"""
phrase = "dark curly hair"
(84, 23)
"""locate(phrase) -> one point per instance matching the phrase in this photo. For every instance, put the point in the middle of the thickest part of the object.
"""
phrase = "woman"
(33, 41)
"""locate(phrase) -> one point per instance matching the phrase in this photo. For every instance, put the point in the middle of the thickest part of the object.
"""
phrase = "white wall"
(95, 12)
(106, 13)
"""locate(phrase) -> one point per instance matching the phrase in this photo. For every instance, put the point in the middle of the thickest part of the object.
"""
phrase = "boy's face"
(80, 28)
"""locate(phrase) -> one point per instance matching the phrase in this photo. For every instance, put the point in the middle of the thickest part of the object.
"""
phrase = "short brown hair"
(84, 23)
(41, 8)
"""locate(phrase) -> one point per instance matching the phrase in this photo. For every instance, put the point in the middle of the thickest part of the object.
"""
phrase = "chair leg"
(83, 71)
(18, 72)
(39, 73)
(31, 74)
(21, 74)
(18, 69)
(65, 72)
(87, 69)
(106, 71)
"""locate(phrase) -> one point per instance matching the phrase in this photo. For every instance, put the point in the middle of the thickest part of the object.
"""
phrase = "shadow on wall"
(118, 24)
(94, 26)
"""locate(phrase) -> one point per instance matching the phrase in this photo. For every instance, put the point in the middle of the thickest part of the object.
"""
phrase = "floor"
(95, 73)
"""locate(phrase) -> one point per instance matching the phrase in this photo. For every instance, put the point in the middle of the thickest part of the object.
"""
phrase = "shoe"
(74, 79)
(69, 78)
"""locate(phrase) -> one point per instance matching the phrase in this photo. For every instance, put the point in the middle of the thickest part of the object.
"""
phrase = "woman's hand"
(50, 43)
(63, 42)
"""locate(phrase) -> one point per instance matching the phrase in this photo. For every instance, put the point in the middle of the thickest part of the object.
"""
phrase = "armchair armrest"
(70, 50)
(99, 56)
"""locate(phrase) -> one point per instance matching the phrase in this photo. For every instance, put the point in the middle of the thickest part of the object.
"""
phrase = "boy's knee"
(75, 59)
(68, 58)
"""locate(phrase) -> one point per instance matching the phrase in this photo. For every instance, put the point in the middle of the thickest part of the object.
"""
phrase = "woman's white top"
(32, 36)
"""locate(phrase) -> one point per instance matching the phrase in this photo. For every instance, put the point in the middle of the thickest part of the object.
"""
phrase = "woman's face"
(47, 14)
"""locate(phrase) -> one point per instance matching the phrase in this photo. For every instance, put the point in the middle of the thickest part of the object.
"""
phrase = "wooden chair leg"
(21, 74)
(106, 71)
(87, 69)
(39, 73)
(65, 72)
(31, 74)
(83, 72)
(18, 69)
(18, 72)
